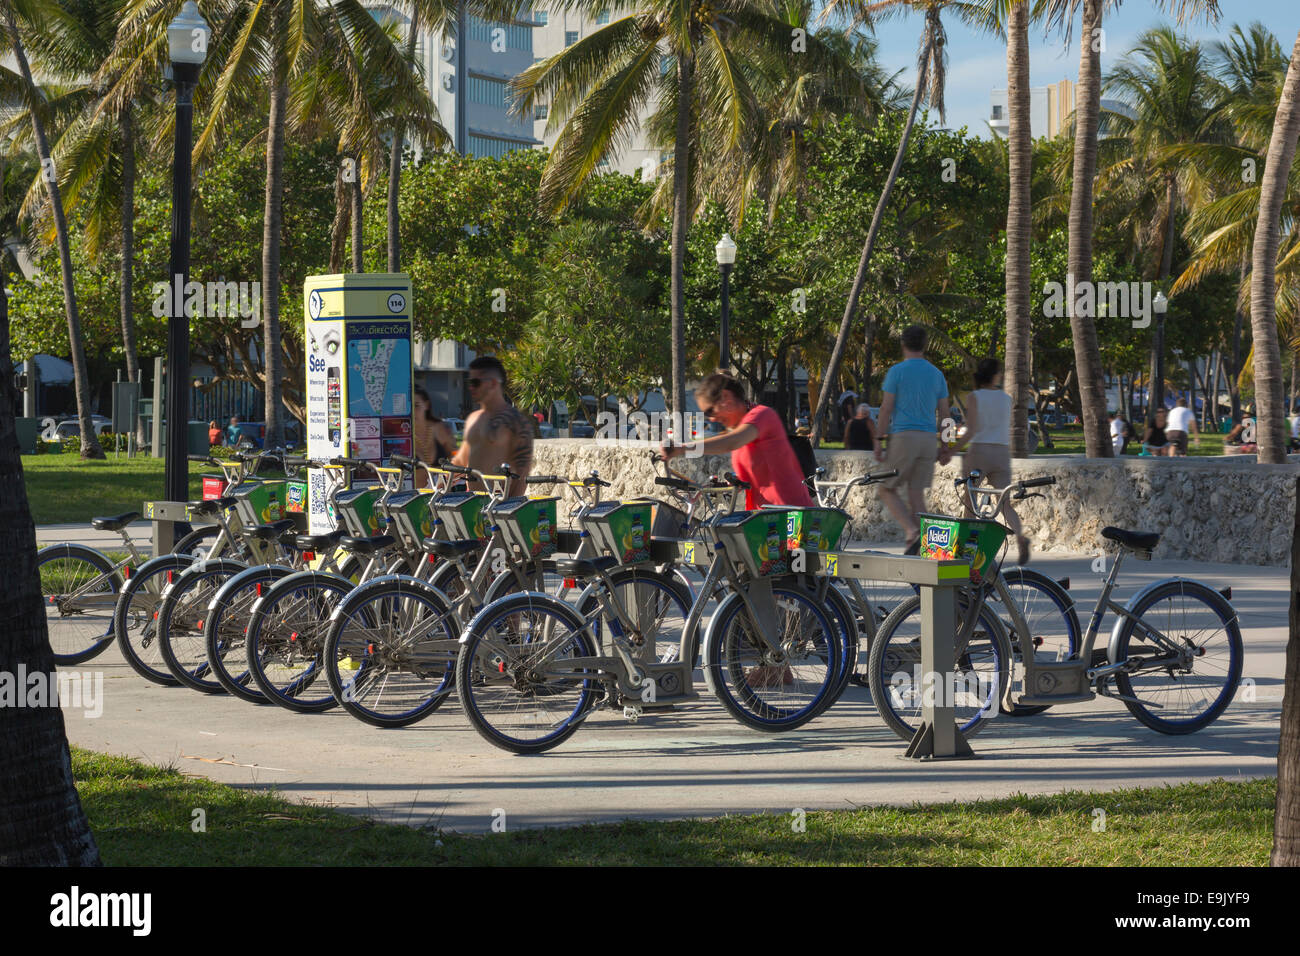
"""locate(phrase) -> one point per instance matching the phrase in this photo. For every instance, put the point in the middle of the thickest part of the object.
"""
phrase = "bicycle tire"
(225, 629)
(180, 622)
(1052, 621)
(888, 655)
(192, 544)
(287, 628)
(135, 617)
(670, 590)
(728, 668)
(493, 696)
(374, 668)
(63, 569)
(1218, 610)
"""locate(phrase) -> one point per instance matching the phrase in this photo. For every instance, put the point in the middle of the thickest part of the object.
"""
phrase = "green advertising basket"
(411, 514)
(977, 540)
(461, 515)
(622, 528)
(528, 523)
(813, 528)
(356, 507)
(259, 502)
(755, 539)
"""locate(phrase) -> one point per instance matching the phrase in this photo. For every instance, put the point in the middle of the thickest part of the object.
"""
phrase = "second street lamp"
(187, 47)
(726, 253)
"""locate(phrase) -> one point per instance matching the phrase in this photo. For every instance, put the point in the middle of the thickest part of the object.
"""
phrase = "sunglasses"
(476, 382)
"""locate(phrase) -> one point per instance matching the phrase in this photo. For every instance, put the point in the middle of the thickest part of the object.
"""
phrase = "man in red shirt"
(760, 449)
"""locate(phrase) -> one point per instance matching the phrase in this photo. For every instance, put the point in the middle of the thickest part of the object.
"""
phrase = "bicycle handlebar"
(542, 480)
(1038, 482)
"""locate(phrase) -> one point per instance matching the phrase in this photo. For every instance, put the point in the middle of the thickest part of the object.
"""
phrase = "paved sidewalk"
(697, 761)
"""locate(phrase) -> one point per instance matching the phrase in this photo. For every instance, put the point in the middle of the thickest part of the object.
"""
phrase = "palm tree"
(256, 45)
(1263, 291)
(94, 151)
(1087, 109)
(35, 11)
(931, 65)
(1168, 86)
(703, 92)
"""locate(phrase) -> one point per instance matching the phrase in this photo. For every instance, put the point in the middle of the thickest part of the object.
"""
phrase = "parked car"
(582, 430)
(457, 426)
(71, 427)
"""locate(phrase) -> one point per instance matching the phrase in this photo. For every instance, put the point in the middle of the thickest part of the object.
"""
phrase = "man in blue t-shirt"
(915, 402)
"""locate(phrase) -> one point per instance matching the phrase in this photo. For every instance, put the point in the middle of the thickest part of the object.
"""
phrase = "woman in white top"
(988, 434)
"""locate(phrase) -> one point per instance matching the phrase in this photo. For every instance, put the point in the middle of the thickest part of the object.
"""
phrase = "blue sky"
(977, 63)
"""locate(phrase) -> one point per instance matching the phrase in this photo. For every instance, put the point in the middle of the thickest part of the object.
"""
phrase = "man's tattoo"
(521, 452)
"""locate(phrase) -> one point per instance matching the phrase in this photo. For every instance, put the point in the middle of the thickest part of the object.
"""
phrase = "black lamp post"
(187, 46)
(726, 252)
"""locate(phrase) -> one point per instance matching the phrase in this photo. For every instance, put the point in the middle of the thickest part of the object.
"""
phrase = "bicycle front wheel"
(79, 589)
(286, 640)
(773, 689)
(1184, 688)
(180, 623)
(1052, 625)
(514, 676)
(391, 651)
(135, 619)
(982, 667)
(225, 629)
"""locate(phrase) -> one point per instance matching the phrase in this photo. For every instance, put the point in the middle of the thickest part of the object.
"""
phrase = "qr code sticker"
(321, 508)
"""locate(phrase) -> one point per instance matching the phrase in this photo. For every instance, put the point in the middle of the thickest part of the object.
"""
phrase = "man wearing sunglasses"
(761, 453)
(496, 432)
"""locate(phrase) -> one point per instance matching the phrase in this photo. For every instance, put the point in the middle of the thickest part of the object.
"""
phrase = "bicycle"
(1199, 633)
(532, 668)
(80, 585)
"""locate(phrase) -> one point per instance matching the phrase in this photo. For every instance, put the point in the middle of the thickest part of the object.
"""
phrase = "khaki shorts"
(1177, 439)
(990, 460)
(913, 454)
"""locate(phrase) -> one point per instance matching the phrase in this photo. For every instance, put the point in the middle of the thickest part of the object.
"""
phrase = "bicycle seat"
(452, 549)
(269, 532)
(1133, 540)
(114, 522)
(211, 506)
(317, 542)
(367, 545)
(582, 567)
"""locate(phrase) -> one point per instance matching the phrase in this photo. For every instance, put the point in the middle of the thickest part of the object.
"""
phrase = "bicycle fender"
(237, 581)
(706, 646)
(410, 583)
(561, 607)
(1213, 596)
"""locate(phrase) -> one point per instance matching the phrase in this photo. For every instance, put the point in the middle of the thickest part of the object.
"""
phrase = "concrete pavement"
(696, 760)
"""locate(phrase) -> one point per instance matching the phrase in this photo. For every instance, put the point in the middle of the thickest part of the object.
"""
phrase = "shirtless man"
(496, 431)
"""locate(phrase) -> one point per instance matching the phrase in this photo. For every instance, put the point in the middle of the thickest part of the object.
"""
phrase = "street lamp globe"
(187, 36)
(726, 250)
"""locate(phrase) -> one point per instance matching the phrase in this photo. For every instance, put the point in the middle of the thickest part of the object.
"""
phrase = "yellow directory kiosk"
(357, 340)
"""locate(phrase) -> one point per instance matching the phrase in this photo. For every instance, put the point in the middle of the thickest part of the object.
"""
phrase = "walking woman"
(432, 438)
(988, 434)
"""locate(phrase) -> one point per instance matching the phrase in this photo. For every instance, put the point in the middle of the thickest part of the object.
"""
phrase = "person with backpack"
(761, 451)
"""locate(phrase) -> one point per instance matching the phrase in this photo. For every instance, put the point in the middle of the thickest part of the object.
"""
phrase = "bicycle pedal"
(632, 713)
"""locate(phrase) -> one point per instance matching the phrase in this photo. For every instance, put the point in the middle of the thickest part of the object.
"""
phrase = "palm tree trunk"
(681, 223)
(127, 280)
(272, 360)
(342, 219)
(860, 278)
(395, 165)
(1263, 286)
(1019, 164)
(41, 820)
(358, 237)
(1281, 153)
(1087, 354)
(89, 441)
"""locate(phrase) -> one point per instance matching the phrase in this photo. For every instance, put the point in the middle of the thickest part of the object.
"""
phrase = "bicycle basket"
(623, 528)
(259, 502)
(814, 528)
(977, 540)
(357, 509)
(411, 515)
(755, 540)
(295, 501)
(528, 524)
(461, 513)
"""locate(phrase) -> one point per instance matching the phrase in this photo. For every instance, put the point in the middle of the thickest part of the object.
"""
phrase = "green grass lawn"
(143, 816)
(1069, 441)
(67, 488)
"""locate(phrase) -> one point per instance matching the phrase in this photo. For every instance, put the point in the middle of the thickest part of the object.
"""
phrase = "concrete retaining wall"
(1229, 510)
